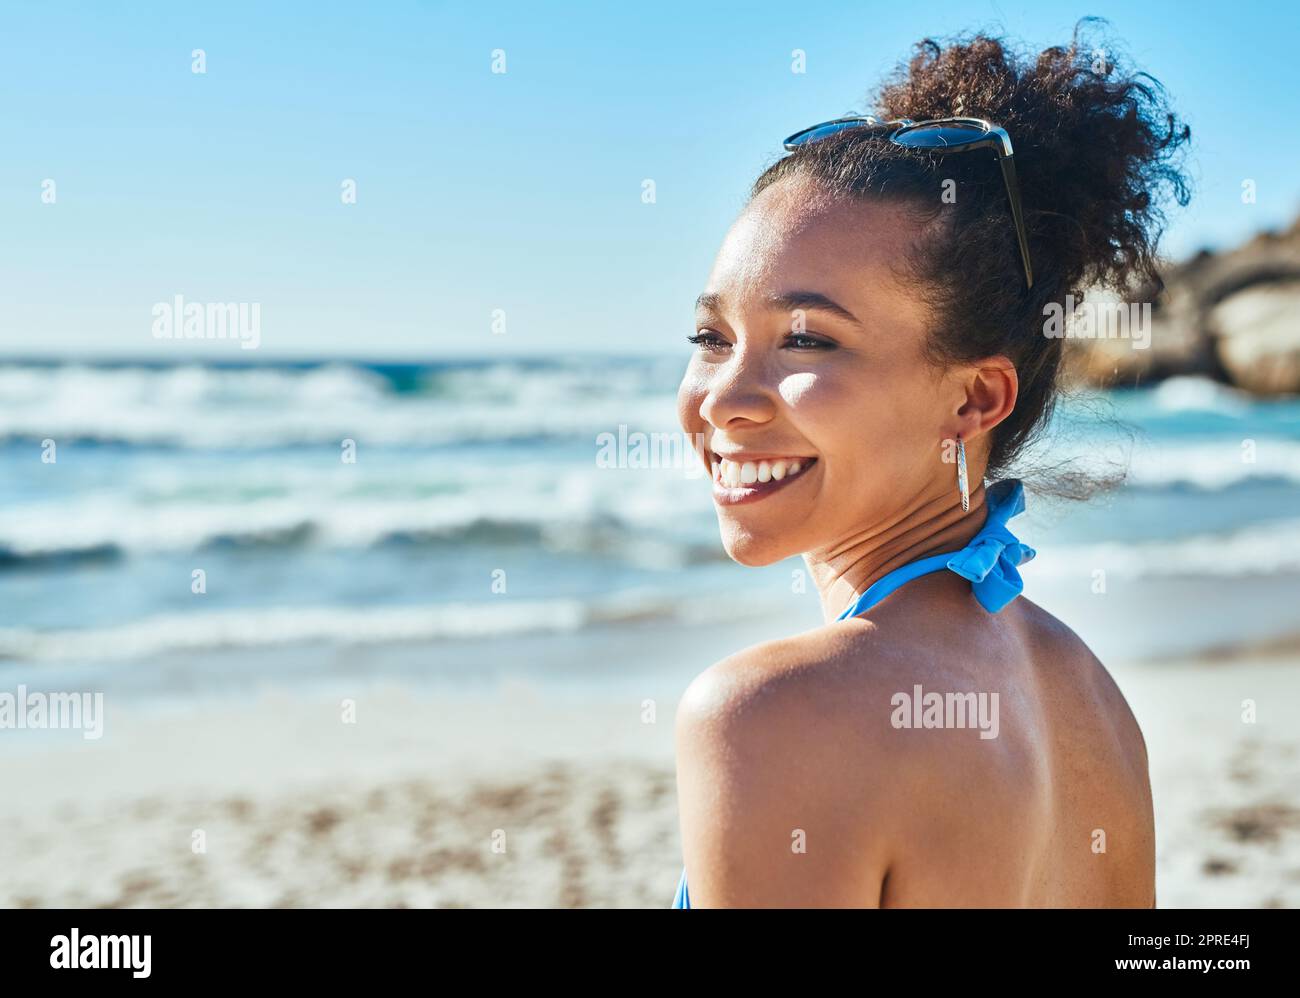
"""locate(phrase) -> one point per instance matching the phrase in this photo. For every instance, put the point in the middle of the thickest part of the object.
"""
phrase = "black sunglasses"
(942, 135)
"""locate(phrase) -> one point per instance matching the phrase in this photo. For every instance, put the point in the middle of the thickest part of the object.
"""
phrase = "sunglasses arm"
(1013, 195)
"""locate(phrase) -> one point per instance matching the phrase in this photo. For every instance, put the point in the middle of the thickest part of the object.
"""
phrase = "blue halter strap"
(989, 561)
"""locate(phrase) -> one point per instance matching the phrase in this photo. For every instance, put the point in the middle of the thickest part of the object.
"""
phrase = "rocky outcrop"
(1233, 317)
(1256, 333)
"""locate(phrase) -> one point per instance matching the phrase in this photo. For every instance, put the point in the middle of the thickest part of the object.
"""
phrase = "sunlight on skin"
(857, 392)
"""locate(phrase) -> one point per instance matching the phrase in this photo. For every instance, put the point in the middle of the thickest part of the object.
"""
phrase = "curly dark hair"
(1097, 151)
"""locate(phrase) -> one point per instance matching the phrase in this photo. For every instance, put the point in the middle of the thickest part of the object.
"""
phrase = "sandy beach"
(514, 797)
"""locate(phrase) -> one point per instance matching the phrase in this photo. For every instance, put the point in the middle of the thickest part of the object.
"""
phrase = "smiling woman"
(870, 341)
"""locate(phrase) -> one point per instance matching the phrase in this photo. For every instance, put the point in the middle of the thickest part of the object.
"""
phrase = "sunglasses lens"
(825, 129)
(944, 136)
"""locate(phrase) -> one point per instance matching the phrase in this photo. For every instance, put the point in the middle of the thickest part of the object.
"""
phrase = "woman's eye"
(710, 341)
(707, 339)
(802, 341)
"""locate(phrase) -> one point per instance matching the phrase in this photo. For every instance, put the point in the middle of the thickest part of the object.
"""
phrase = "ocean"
(167, 529)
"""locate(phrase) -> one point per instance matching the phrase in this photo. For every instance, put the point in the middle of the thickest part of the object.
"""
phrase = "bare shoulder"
(833, 693)
(1070, 668)
(800, 690)
(787, 783)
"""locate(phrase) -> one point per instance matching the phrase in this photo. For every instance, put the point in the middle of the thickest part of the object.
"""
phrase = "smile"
(749, 479)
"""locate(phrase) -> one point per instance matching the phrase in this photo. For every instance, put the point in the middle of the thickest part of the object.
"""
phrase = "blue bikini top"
(990, 561)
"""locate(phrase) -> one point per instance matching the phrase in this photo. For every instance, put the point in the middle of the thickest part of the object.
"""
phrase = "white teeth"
(734, 474)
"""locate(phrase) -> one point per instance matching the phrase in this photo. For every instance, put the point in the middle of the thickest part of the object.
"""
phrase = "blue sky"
(479, 191)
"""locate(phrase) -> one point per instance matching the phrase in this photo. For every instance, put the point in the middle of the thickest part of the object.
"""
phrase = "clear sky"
(479, 191)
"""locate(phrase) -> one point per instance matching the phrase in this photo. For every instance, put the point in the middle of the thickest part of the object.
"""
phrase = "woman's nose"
(738, 392)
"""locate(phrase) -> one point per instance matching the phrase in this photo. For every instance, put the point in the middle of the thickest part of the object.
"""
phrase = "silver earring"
(962, 485)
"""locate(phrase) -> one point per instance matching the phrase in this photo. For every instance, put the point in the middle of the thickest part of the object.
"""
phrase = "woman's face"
(811, 352)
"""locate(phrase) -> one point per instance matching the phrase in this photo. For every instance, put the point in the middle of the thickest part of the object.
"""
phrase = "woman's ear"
(991, 387)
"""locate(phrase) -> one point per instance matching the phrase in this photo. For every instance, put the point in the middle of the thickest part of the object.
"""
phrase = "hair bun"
(1097, 148)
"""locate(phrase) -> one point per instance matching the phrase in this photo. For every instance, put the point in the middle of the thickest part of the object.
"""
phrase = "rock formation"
(1232, 316)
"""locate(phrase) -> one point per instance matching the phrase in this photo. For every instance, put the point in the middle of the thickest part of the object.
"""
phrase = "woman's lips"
(750, 479)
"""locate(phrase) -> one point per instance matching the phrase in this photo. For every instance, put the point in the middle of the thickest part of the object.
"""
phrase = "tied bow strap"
(990, 560)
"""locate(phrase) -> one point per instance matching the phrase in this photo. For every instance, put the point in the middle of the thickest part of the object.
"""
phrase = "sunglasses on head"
(942, 135)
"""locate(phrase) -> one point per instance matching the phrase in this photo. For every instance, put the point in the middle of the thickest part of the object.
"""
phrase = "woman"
(871, 351)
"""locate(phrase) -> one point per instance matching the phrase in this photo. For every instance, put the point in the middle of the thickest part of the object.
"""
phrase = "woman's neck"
(930, 524)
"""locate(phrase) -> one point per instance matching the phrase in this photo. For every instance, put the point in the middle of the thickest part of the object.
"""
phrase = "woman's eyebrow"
(710, 301)
(787, 301)
(809, 301)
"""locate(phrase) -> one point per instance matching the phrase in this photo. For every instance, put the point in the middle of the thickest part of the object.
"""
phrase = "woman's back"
(927, 754)
(1053, 811)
